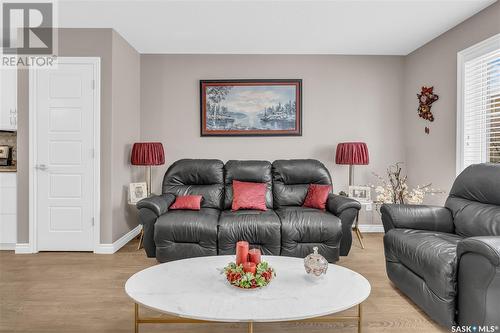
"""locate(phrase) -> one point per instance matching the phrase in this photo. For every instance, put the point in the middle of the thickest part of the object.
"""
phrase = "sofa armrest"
(158, 204)
(346, 209)
(432, 218)
(478, 281)
(336, 204)
(149, 210)
(486, 246)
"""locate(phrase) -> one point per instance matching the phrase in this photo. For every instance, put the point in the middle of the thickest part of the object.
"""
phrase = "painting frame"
(296, 83)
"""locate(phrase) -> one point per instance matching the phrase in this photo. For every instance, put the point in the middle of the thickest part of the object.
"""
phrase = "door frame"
(96, 206)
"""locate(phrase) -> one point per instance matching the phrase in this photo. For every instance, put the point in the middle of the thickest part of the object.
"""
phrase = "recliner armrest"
(478, 280)
(336, 204)
(158, 204)
(346, 209)
(419, 217)
(487, 246)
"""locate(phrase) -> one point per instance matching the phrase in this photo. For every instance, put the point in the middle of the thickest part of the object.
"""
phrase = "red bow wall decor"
(425, 100)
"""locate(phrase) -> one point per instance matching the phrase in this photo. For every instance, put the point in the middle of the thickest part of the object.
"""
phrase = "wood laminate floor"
(83, 292)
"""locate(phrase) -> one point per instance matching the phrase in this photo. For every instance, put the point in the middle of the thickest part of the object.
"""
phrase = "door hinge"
(93, 84)
(93, 221)
(92, 152)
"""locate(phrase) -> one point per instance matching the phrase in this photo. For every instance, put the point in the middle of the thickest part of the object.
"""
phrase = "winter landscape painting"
(251, 107)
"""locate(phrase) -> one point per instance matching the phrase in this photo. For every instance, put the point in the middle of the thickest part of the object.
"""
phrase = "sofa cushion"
(247, 171)
(262, 229)
(478, 182)
(188, 202)
(472, 218)
(248, 195)
(475, 201)
(291, 179)
(430, 255)
(317, 195)
(188, 227)
(303, 228)
(197, 177)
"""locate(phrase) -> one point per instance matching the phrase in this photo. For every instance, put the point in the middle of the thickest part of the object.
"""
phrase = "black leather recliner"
(447, 259)
(286, 228)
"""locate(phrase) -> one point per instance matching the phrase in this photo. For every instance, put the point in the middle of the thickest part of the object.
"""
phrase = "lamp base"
(149, 177)
(351, 174)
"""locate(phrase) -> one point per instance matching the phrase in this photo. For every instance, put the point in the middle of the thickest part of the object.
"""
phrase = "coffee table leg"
(360, 318)
(250, 327)
(136, 316)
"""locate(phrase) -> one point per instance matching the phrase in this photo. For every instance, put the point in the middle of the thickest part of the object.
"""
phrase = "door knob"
(42, 167)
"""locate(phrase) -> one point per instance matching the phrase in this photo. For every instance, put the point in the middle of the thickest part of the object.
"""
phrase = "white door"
(64, 110)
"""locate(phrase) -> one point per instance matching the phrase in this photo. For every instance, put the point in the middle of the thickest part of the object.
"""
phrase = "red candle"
(241, 252)
(254, 256)
(249, 267)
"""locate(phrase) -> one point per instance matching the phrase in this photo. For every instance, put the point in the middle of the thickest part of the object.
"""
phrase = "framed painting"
(251, 107)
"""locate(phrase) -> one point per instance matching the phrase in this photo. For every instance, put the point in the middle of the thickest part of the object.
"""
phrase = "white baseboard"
(23, 248)
(115, 246)
(368, 228)
(7, 246)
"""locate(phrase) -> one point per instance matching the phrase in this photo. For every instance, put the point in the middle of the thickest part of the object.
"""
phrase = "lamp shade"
(352, 153)
(147, 153)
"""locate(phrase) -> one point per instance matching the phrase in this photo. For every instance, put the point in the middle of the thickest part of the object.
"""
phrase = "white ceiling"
(272, 27)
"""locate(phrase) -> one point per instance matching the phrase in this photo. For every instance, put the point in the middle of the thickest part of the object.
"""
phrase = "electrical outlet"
(369, 207)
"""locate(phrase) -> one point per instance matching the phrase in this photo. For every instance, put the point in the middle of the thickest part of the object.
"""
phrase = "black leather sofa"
(447, 259)
(286, 228)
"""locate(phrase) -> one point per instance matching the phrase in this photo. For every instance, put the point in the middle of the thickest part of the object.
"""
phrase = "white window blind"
(479, 104)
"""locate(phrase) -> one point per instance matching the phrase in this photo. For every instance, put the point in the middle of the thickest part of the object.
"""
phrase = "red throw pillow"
(188, 202)
(249, 195)
(317, 195)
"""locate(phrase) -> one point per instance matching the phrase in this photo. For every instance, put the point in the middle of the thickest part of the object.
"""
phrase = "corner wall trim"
(115, 246)
(23, 248)
(368, 228)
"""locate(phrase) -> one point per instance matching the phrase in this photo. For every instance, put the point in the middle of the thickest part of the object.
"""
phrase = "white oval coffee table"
(194, 291)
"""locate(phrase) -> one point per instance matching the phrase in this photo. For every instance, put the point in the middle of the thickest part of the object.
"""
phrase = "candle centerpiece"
(249, 271)
(241, 252)
(254, 256)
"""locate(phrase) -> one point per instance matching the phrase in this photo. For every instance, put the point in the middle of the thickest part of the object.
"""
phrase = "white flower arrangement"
(395, 188)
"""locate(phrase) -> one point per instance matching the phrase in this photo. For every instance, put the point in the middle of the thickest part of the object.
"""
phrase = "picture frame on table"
(137, 192)
(360, 193)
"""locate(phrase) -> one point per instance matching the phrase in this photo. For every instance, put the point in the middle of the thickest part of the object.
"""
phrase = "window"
(478, 116)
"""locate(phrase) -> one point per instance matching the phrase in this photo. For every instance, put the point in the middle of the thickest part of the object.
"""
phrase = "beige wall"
(119, 120)
(367, 98)
(126, 130)
(431, 158)
(344, 98)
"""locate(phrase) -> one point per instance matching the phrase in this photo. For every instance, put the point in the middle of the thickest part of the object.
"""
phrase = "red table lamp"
(352, 153)
(148, 154)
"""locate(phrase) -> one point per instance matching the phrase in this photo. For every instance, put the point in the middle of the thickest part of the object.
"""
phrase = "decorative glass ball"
(315, 264)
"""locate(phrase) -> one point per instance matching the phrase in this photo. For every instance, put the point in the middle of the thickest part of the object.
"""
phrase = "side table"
(356, 229)
(141, 235)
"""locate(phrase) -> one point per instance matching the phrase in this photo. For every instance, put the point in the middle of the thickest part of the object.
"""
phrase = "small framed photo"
(360, 193)
(137, 192)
